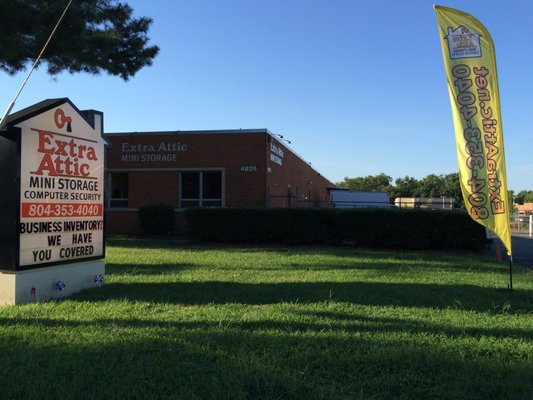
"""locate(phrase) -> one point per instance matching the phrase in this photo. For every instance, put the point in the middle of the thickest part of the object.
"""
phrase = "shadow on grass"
(149, 269)
(318, 322)
(400, 265)
(171, 365)
(307, 355)
(336, 258)
(467, 297)
(165, 359)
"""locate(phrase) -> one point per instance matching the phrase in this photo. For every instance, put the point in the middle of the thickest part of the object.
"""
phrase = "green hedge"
(158, 219)
(371, 228)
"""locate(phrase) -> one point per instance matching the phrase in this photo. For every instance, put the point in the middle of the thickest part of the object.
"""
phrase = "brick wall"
(153, 187)
(154, 162)
(294, 179)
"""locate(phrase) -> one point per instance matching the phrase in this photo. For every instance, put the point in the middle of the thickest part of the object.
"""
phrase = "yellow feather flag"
(470, 64)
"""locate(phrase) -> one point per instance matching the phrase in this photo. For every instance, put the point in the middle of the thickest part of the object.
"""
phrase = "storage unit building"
(227, 168)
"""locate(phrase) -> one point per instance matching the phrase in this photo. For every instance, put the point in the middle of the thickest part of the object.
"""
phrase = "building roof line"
(276, 137)
(194, 132)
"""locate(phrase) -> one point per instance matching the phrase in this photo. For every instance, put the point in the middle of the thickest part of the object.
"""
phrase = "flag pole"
(10, 107)
(510, 272)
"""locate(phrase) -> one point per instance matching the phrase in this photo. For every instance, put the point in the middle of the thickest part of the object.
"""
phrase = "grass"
(177, 321)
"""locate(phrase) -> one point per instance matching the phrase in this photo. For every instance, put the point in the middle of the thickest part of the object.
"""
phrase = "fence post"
(531, 225)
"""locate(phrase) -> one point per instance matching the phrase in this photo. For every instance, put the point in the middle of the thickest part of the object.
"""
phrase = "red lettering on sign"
(64, 157)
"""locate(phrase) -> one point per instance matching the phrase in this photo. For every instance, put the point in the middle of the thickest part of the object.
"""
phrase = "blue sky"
(358, 87)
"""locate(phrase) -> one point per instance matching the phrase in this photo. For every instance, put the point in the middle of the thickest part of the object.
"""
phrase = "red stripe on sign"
(60, 210)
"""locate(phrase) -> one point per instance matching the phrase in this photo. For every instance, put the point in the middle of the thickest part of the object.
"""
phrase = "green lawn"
(177, 321)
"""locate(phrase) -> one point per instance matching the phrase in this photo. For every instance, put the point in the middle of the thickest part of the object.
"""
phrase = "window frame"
(201, 201)
(110, 199)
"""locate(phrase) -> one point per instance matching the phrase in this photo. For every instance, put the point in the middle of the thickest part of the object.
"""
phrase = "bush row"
(157, 219)
(373, 227)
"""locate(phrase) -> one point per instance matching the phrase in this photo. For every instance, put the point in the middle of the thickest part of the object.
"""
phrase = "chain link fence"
(291, 200)
(522, 225)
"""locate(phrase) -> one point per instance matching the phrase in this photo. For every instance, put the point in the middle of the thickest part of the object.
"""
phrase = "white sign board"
(61, 188)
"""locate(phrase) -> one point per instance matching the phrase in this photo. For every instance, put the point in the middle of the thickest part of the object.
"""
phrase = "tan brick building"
(228, 168)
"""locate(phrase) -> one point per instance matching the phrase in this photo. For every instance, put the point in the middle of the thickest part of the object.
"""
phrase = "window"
(201, 189)
(119, 189)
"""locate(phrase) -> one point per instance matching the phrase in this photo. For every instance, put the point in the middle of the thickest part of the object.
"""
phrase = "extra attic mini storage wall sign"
(52, 223)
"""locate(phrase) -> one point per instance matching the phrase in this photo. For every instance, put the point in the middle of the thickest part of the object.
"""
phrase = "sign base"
(48, 283)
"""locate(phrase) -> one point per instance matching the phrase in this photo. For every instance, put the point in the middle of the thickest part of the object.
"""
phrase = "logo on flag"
(463, 43)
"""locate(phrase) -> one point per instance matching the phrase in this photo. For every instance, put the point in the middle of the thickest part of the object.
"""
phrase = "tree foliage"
(95, 36)
(429, 186)
(432, 185)
(378, 183)
(406, 187)
(524, 196)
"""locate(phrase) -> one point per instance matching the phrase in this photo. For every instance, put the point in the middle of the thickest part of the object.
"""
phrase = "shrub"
(157, 219)
(372, 227)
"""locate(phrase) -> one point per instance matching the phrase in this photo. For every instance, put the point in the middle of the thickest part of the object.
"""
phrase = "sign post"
(54, 155)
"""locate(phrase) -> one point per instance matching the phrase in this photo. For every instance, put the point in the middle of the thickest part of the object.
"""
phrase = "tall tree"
(369, 183)
(95, 36)
(407, 187)
(524, 196)
(431, 186)
(452, 188)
